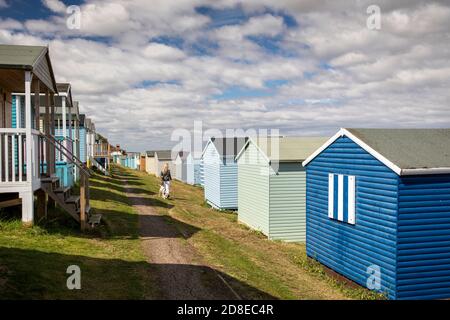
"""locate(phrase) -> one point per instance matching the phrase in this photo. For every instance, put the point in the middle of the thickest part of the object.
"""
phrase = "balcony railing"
(13, 156)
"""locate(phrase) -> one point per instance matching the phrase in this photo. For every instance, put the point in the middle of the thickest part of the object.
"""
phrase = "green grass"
(33, 261)
(280, 270)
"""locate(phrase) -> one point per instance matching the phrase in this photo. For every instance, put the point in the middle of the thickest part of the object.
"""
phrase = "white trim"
(377, 155)
(340, 212)
(374, 153)
(351, 207)
(257, 147)
(411, 172)
(331, 195)
(206, 146)
(323, 147)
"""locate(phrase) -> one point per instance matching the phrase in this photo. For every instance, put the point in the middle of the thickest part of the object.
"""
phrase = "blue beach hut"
(220, 172)
(378, 209)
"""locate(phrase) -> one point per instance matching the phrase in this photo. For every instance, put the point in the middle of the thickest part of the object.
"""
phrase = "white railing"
(13, 155)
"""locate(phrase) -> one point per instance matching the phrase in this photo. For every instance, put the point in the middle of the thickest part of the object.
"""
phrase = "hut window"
(341, 197)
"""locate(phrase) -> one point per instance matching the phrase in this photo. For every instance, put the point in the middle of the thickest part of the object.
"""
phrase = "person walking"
(166, 177)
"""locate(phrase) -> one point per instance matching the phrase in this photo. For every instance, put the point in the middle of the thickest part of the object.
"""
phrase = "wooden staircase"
(102, 169)
(76, 206)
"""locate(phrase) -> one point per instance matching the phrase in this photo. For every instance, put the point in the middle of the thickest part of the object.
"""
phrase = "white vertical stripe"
(330, 195)
(340, 197)
(351, 199)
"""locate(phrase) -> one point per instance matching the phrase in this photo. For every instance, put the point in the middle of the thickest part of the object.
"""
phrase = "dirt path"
(181, 273)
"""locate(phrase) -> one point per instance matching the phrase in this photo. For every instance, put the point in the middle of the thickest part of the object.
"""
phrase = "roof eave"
(16, 66)
(424, 171)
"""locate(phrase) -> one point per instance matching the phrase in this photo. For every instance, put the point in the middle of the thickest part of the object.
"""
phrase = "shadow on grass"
(33, 274)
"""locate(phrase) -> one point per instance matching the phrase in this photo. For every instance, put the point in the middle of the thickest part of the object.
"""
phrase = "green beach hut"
(272, 185)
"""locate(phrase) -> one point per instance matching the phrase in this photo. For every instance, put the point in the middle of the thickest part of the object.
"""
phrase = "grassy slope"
(33, 261)
(279, 269)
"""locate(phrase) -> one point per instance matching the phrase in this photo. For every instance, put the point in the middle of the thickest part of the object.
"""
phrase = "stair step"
(94, 219)
(62, 190)
(73, 199)
(88, 209)
(53, 179)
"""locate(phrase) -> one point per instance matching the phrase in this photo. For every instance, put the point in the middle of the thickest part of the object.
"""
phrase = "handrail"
(69, 155)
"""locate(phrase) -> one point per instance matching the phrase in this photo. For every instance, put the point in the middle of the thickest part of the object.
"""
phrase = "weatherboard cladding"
(190, 169)
(271, 198)
(181, 168)
(287, 203)
(150, 164)
(423, 248)
(212, 164)
(253, 190)
(405, 218)
(352, 249)
(83, 146)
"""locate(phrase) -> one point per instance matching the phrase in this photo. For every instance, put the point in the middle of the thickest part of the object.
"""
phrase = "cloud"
(55, 5)
(142, 70)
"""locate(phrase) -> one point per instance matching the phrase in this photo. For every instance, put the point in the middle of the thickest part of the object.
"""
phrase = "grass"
(33, 261)
(276, 268)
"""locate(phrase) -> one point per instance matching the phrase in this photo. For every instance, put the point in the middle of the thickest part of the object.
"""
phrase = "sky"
(144, 70)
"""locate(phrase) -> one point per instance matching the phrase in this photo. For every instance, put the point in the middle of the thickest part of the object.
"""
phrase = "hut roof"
(405, 151)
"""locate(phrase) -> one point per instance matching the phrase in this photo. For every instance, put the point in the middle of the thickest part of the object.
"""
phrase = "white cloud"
(338, 72)
(55, 5)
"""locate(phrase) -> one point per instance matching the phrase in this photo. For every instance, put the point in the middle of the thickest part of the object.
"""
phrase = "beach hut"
(220, 172)
(162, 157)
(142, 162)
(150, 162)
(378, 209)
(194, 170)
(272, 183)
(131, 160)
(29, 144)
(181, 166)
(83, 141)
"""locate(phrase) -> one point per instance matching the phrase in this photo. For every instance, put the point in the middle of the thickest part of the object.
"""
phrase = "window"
(341, 197)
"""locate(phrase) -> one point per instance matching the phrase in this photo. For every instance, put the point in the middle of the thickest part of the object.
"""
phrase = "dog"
(161, 191)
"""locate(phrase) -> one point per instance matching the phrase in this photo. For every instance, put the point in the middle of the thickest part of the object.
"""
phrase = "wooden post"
(47, 131)
(37, 104)
(83, 201)
(52, 131)
(27, 197)
(41, 204)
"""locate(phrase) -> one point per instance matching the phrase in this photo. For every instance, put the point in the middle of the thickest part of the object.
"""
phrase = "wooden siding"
(180, 171)
(288, 203)
(229, 184)
(352, 249)
(150, 165)
(253, 190)
(423, 267)
(83, 146)
(212, 164)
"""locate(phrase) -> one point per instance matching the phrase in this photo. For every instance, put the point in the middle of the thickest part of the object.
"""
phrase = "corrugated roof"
(289, 149)
(150, 153)
(227, 147)
(18, 56)
(409, 148)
